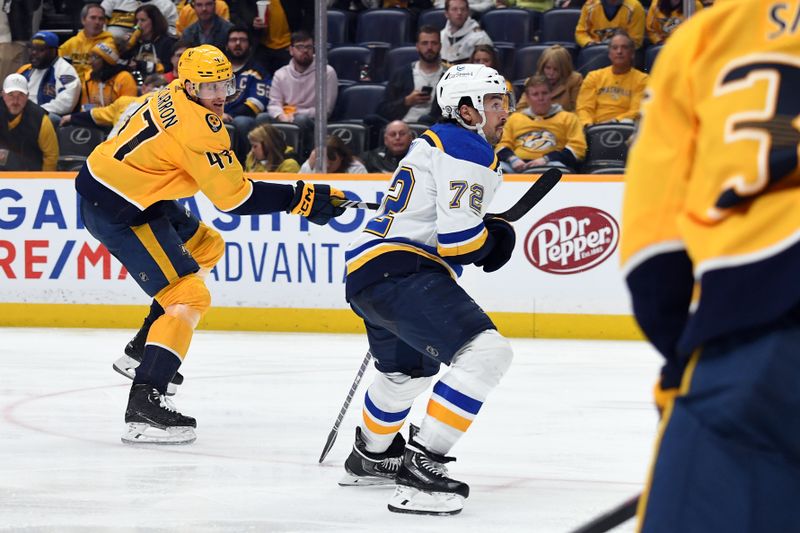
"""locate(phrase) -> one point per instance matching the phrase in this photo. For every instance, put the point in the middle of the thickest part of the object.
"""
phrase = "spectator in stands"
(340, 159)
(613, 94)
(461, 33)
(415, 7)
(210, 28)
(555, 64)
(188, 16)
(108, 80)
(532, 5)
(122, 16)
(52, 81)
(541, 135)
(479, 7)
(118, 110)
(269, 152)
(410, 91)
(252, 86)
(76, 49)
(486, 54)
(396, 141)
(177, 49)
(27, 138)
(663, 17)
(292, 94)
(150, 47)
(16, 28)
(601, 18)
(284, 17)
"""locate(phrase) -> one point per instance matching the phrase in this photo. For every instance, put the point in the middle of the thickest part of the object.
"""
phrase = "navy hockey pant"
(416, 322)
(729, 454)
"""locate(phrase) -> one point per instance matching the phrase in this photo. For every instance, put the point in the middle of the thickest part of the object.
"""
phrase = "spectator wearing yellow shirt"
(188, 16)
(543, 134)
(613, 93)
(274, 34)
(601, 18)
(269, 152)
(76, 49)
(664, 17)
(107, 80)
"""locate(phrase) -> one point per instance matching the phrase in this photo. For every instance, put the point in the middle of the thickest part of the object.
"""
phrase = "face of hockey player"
(495, 108)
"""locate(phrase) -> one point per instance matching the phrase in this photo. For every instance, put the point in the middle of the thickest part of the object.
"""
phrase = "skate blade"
(350, 480)
(126, 366)
(413, 501)
(140, 433)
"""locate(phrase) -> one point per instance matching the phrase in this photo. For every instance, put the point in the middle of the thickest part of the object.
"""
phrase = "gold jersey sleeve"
(171, 148)
(714, 169)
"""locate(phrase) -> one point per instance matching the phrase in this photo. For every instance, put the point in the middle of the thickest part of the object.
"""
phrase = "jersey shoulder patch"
(461, 143)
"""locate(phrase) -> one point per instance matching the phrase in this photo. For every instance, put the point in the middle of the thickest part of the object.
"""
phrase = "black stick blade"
(533, 196)
(328, 444)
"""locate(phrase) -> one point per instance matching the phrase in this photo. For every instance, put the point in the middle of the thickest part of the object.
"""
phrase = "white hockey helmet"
(472, 81)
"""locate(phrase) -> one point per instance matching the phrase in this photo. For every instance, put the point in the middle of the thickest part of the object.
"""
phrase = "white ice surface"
(567, 435)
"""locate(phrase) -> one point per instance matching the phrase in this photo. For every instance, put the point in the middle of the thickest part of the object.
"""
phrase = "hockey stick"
(335, 431)
(355, 204)
(533, 196)
(611, 519)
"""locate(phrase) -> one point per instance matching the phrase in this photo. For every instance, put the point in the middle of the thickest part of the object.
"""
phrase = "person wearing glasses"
(293, 90)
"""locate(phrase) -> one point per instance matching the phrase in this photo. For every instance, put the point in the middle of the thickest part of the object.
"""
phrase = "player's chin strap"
(478, 128)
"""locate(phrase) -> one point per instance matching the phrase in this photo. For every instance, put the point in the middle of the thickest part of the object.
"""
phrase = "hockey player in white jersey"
(401, 279)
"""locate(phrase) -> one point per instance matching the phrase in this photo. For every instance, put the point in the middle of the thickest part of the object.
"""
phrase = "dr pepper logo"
(572, 240)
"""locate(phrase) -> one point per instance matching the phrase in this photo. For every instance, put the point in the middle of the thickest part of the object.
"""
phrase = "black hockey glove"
(504, 240)
(315, 202)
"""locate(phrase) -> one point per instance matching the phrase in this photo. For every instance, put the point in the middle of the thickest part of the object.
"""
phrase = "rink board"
(280, 273)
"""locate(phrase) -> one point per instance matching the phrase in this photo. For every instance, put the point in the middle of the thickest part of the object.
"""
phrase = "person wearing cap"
(52, 82)
(76, 49)
(27, 138)
(108, 80)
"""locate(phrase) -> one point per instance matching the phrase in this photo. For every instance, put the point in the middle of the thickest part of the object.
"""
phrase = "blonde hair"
(271, 141)
(559, 57)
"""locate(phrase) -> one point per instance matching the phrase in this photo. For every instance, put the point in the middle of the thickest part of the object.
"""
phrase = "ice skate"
(365, 468)
(134, 351)
(423, 485)
(152, 419)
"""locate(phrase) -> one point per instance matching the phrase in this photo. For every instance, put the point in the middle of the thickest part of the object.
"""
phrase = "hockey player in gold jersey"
(172, 147)
(711, 252)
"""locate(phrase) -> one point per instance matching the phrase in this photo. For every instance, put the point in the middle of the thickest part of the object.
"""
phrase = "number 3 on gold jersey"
(776, 127)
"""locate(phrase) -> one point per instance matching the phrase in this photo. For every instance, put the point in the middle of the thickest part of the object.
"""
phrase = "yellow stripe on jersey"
(148, 239)
(380, 249)
(446, 416)
(463, 248)
(435, 138)
(379, 429)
